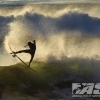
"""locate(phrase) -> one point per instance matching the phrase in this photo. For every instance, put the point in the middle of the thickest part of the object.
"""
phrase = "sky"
(49, 1)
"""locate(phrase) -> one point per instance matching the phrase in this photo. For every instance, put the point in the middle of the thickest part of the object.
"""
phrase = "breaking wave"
(61, 31)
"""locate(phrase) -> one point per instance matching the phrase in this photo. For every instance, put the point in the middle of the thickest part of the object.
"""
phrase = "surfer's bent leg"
(23, 51)
(32, 56)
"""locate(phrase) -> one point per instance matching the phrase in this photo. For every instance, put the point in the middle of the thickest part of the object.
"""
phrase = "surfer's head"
(29, 43)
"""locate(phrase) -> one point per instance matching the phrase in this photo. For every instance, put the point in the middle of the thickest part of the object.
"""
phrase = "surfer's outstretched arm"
(25, 45)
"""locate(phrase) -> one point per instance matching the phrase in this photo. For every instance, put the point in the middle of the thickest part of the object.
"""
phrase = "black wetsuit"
(31, 51)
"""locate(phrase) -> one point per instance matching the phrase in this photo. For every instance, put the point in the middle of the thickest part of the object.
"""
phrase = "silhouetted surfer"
(31, 51)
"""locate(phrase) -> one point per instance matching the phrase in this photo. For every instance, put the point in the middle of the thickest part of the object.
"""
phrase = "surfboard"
(14, 55)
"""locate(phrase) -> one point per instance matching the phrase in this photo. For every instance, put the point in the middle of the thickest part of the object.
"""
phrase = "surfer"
(31, 51)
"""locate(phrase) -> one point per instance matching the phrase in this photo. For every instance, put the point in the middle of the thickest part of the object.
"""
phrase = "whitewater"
(61, 31)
